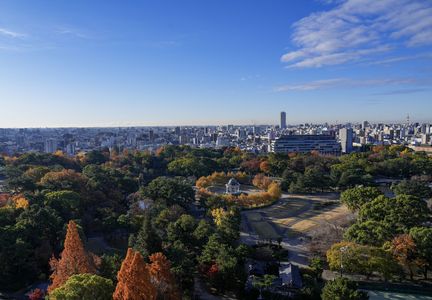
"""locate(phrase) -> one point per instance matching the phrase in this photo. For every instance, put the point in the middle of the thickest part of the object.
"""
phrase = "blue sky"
(160, 62)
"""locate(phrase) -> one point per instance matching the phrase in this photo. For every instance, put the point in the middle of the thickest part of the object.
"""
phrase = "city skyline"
(102, 64)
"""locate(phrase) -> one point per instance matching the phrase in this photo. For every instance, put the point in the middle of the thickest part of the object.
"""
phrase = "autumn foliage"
(404, 251)
(261, 181)
(138, 280)
(36, 294)
(271, 189)
(162, 278)
(221, 178)
(134, 279)
(19, 201)
(273, 193)
(73, 260)
(265, 167)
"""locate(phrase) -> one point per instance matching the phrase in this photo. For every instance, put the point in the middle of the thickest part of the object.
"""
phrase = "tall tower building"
(346, 139)
(283, 120)
(51, 145)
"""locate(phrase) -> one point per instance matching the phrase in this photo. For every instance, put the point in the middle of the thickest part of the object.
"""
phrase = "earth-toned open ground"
(292, 218)
(380, 295)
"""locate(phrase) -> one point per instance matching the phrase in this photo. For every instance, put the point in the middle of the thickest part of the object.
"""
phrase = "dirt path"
(296, 246)
(282, 216)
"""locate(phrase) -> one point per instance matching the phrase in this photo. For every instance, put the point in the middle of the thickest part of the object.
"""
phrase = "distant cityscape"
(325, 138)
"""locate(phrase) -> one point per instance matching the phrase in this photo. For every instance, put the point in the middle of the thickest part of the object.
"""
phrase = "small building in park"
(232, 187)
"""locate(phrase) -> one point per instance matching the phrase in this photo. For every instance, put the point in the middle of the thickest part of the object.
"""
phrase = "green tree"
(265, 282)
(317, 267)
(84, 287)
(354, 198)
(109, 266)
(188, 166)
(369, 232)
(202, 232)
(360, 259)
(342, 289)
(17, 261)
(96, 157)
(414, 188)
(146, 241)
(170, 190)
(220, 261)
(183, 263)
(400, 213)
(315, 179)
(66, 203)
(422, 237)
(182, 230)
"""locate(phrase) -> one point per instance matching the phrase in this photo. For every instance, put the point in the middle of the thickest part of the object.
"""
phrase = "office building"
(346, 139)
(324, 144)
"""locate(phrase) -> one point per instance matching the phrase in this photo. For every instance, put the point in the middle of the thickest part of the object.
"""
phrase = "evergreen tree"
(147, 240)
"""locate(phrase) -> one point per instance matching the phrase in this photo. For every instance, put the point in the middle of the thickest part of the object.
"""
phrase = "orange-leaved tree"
(162, 278)
(73, 260)
(134, 280)
(404, 251)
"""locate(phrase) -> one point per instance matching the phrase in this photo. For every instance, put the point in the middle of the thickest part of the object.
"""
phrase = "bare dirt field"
(295, 214)
(294, 218)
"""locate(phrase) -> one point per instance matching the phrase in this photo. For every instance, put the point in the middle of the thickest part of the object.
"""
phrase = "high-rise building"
(346, 139)
(283, 120)
(51, 145)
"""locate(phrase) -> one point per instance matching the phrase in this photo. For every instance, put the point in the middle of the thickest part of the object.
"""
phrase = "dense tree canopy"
(400, 213)
(413, 187)
(84, 287)
(342, 289)
(170, 190)
(354, 198)
(120, 195)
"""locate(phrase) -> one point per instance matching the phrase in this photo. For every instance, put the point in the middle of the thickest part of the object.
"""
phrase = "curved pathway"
(296, 246)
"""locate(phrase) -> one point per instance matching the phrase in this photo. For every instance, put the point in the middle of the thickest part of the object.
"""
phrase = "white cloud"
(345, 82)
(313, 85)
(10, 33)
(355, 29)
(72, 32)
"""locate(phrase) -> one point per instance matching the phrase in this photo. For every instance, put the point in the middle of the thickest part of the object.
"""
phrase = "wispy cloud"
(390, 60)
(11, 34)
(329, 1)
(72, 32)
(345, 83)
(401, 92)
(355, 29)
